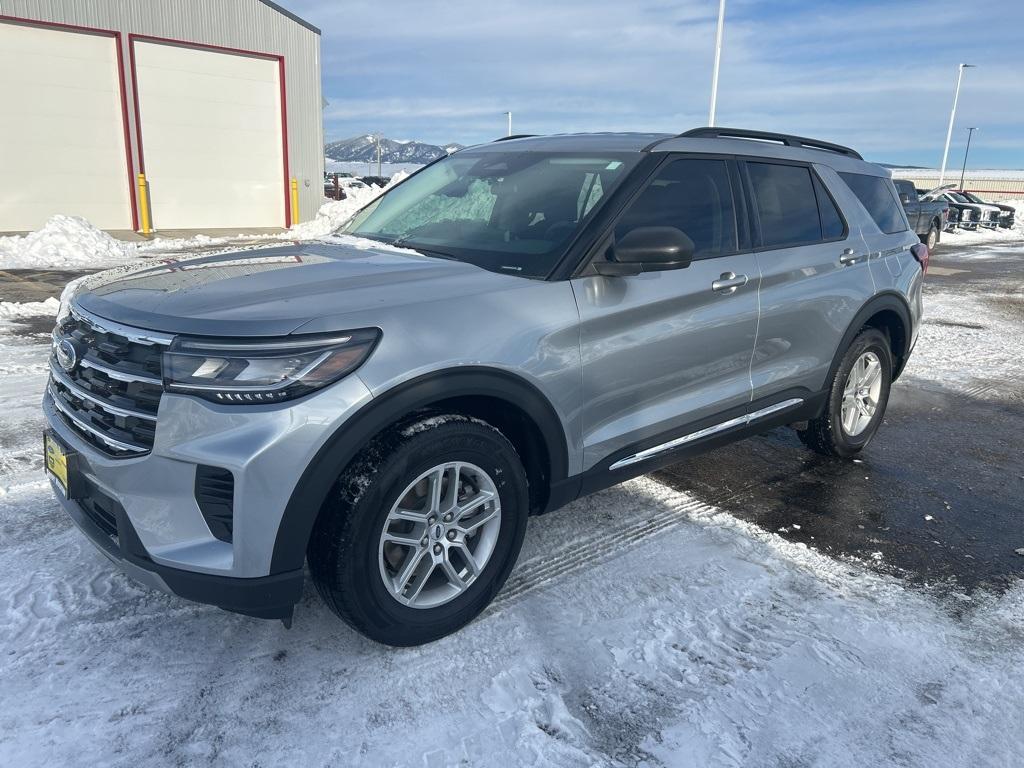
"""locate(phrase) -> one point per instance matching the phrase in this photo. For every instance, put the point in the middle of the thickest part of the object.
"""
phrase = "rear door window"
(786, 204)
(693, 195)
(878, 196)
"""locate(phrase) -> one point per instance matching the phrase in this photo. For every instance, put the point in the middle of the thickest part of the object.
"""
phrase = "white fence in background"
(995, 185)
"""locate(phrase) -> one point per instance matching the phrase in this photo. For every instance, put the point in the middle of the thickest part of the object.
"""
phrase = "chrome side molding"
(739, 421)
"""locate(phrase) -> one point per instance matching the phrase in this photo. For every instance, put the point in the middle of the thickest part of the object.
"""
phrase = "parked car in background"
(927, 217)
(1007, 213)
(972, 215)
(344, 183)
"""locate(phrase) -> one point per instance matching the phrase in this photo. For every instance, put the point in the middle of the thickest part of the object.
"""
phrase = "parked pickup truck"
(1006, 215)
(927, 218)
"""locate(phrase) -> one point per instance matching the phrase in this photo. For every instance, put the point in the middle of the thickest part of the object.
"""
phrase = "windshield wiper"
(403, 242)
(432, 252)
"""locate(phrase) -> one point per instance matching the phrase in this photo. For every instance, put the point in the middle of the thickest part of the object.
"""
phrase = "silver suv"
(512, 327)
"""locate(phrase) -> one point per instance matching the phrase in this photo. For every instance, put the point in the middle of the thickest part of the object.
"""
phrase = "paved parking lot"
(937, 496)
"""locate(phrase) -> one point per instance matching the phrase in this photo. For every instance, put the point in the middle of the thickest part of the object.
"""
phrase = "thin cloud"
(877, 75)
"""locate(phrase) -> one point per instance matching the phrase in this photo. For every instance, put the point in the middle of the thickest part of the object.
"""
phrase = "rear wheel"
(931, 239)
(857, 398)
(422, 530)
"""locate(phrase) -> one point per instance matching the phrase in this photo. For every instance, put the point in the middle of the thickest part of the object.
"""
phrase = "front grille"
(111, 395)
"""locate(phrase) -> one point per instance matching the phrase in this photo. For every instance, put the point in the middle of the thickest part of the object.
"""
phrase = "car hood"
(275, 291)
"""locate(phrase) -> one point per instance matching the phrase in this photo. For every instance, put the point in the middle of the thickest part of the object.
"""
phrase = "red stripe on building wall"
(284, 137)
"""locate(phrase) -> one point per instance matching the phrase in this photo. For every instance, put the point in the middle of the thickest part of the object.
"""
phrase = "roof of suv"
(665, 142)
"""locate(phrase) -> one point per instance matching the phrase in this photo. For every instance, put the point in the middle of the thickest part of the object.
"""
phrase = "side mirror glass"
(654, 248)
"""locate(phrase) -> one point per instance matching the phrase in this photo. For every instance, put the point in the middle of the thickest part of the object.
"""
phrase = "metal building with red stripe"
(218, 104)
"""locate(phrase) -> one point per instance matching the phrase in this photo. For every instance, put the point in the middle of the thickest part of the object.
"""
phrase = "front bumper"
(162, 537)
(268, 597)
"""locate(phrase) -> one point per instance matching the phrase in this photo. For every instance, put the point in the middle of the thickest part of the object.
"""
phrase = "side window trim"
(815, 176)
(757, 238)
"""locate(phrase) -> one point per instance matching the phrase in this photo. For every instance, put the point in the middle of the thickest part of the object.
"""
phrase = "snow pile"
(65, 242)
(15, 310)
(71, 242)
(334, 213)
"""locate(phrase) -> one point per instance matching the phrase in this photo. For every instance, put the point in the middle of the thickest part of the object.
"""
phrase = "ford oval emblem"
(67, 355)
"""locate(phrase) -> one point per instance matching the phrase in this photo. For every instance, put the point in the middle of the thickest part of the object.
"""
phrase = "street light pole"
(970, 132)
(718, 60)
(952, 116)
(509, 116)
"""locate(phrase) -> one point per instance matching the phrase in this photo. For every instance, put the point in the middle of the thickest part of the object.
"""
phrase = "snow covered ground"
(640, 627)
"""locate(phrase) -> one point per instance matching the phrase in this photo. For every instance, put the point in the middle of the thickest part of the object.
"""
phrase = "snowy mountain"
(364, 149)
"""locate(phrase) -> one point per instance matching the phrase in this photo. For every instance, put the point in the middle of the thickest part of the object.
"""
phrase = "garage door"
(61, 129)
(211, 137)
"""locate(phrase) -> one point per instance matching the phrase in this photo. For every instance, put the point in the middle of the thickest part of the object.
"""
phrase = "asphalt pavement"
(937, 497)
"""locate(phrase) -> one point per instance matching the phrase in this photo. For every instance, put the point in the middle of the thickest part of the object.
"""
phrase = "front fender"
(389, 408)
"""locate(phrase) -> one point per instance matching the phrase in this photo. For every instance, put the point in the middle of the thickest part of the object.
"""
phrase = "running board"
(740, 421)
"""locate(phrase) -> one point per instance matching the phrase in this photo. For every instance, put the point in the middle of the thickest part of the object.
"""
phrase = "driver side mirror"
(904, 198)
(648, 249)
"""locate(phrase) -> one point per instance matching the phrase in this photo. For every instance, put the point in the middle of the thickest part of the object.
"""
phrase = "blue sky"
(876, 75)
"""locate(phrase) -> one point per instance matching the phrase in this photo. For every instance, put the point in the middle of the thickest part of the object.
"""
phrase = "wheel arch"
(890, 313)
(507, 401)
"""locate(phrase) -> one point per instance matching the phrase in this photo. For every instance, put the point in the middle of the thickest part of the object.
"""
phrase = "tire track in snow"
(585, 552)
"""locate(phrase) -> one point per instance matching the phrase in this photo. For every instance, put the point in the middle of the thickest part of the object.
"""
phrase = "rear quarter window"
(878, 197)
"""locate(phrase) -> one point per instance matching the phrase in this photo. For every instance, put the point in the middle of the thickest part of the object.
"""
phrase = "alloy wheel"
(439, 535)
(861, 394)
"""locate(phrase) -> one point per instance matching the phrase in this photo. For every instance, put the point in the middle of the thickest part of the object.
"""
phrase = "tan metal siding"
(993, 189)
(244, 24)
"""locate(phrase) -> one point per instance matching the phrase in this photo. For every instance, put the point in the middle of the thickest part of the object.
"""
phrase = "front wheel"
(422, 530)
(857, 398)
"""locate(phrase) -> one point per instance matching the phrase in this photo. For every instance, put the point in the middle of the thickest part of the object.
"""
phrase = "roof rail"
(515, 136)
(781, 138)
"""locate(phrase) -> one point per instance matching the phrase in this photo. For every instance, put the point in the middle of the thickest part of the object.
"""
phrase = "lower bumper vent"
(215, 495)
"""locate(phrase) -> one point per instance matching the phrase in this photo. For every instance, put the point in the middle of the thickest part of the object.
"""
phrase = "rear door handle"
(728, 282)
(848, 257)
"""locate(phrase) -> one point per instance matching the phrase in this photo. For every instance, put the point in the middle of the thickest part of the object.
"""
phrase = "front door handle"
(848, 257)
(728, 282)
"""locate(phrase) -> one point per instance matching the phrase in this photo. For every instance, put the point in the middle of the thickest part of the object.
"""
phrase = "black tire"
(343, 550)
(931, 238)
(825, 434)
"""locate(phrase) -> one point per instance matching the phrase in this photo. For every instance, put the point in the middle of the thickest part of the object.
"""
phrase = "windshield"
(971, 198)
(958, 197)
(514, 212)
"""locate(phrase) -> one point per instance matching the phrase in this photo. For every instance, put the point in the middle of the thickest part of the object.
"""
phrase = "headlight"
(267, 371)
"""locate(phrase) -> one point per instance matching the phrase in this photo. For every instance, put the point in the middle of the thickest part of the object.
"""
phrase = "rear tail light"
(920, 252)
